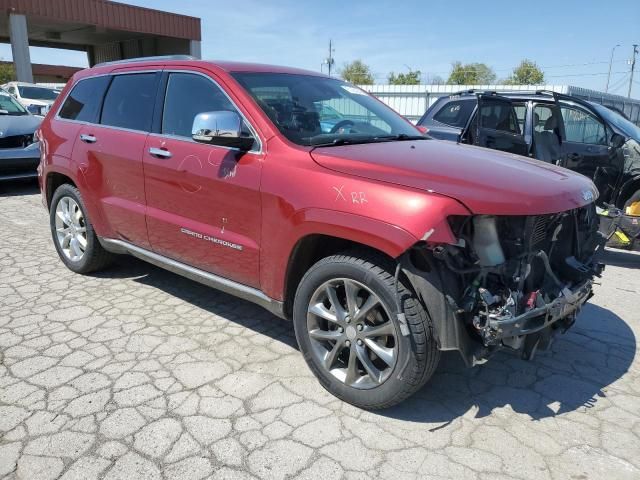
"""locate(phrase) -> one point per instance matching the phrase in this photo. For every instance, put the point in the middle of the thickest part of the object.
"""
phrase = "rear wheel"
(346, 324)
(73, 235)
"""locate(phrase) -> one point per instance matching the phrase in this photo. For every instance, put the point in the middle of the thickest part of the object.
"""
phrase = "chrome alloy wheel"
(71, 230)
(352, 334)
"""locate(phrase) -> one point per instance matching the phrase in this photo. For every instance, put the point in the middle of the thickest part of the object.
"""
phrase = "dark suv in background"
(582, 136)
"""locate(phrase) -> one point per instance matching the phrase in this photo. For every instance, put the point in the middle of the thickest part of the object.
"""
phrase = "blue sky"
(570, 39)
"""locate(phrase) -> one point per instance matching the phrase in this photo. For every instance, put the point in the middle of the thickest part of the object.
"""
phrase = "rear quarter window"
(83, 103)
(455, 114)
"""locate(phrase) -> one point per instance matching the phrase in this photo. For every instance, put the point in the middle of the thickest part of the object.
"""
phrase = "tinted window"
(188, 95)
(129, 101)
(83, 103)
(455, 114)
(582, 127)
(521, 113)
(38, 93)
(543, 118)
(497, 115)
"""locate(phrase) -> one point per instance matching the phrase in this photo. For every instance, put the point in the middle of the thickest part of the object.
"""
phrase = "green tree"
(357, 72)
(471, 74)
(7, 72)
(527, 73)
(412, 77)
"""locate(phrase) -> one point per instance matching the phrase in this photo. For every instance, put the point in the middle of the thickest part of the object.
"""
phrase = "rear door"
(585, 148)
(446, 118)
(111, 151)
(496, 126)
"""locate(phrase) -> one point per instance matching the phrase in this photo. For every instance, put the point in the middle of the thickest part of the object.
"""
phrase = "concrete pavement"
(138, 373)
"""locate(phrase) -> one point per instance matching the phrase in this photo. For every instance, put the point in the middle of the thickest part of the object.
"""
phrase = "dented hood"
(486, 181)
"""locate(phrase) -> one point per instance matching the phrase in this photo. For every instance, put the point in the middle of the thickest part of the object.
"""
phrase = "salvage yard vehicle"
(35, 98)
(19, 147)
(383, 246)
(577, 134)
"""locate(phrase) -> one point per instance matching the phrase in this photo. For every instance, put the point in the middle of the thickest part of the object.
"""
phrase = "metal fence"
(412, 101)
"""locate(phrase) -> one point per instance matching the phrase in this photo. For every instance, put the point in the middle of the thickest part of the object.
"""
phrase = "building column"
(20, 47)
(194, 48)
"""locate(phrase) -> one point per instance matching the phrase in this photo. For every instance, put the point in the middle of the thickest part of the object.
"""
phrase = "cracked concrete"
(138, 373)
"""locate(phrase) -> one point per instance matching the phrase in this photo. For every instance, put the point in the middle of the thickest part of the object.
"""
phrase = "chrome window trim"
(66, 97)
(162, 135)
(239, 111)
(83, 122)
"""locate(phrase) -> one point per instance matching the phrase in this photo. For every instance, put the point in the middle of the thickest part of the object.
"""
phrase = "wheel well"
(308, 251)
(54, 180)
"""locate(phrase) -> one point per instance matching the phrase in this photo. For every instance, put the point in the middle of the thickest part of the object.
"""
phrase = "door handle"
(575, 156)
(88, 138)
(160, 153)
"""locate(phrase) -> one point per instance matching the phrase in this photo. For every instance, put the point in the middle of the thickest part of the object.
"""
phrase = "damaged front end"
(510, 281)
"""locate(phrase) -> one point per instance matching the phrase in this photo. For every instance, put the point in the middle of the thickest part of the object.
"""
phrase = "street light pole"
(606, 89)
(633, 67)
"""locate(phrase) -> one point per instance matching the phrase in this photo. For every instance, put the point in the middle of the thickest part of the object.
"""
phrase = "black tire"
(417, 354)
(95, 257)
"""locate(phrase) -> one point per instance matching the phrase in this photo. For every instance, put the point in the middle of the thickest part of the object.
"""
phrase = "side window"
(83, 103)
(521, 113)
(12, 90)
(188, 95)
(499, 115)
(544, 118)
(455, 114)
(582, 127)
(129, 101)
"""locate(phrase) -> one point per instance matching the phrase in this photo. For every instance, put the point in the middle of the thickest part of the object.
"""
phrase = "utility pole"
(606, 89)
(329, 61)
(633, 67)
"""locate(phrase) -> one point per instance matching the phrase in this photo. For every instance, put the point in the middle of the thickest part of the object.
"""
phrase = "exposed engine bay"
(518, 279)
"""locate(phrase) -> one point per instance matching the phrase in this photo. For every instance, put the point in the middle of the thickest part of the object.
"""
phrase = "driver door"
(203, 201)
(496, 126)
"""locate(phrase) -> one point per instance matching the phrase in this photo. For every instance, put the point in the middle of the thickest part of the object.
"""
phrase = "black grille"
(16, 141)
(539, 230)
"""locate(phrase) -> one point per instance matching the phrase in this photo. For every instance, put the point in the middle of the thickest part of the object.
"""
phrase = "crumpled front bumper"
(566, 306)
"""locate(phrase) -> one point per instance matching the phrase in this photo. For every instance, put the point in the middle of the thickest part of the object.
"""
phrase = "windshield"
(10, 106)
(618, 121)
(38, 93)
(311, 110)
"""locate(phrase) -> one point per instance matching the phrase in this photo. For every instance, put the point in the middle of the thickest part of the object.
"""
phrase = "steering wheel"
(341, 124)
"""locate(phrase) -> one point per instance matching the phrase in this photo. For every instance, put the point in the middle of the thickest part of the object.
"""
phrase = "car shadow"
(241, 312)
(573, 374)
(16, 188)
(620, 258)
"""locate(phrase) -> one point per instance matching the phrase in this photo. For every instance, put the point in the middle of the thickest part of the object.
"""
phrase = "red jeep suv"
(305, 195)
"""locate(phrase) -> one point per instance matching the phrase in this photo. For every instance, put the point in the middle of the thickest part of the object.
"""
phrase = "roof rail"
(147, 59)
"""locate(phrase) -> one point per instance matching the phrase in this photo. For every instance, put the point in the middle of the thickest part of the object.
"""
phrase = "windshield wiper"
(383, 138)
(342, 141)
(400, 137)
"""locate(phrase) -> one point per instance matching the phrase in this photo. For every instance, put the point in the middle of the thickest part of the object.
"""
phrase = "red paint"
(387, 195)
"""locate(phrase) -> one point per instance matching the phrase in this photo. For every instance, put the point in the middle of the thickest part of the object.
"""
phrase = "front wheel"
(346, 324)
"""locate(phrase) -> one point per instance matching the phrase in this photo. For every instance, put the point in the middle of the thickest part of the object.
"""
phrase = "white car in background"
(35, 98)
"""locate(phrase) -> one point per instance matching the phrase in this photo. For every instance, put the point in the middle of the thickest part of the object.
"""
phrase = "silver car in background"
(19, 149)
(35, 98)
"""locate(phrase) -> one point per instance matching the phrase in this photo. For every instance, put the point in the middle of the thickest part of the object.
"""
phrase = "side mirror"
(223, 128)
(617, 140)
